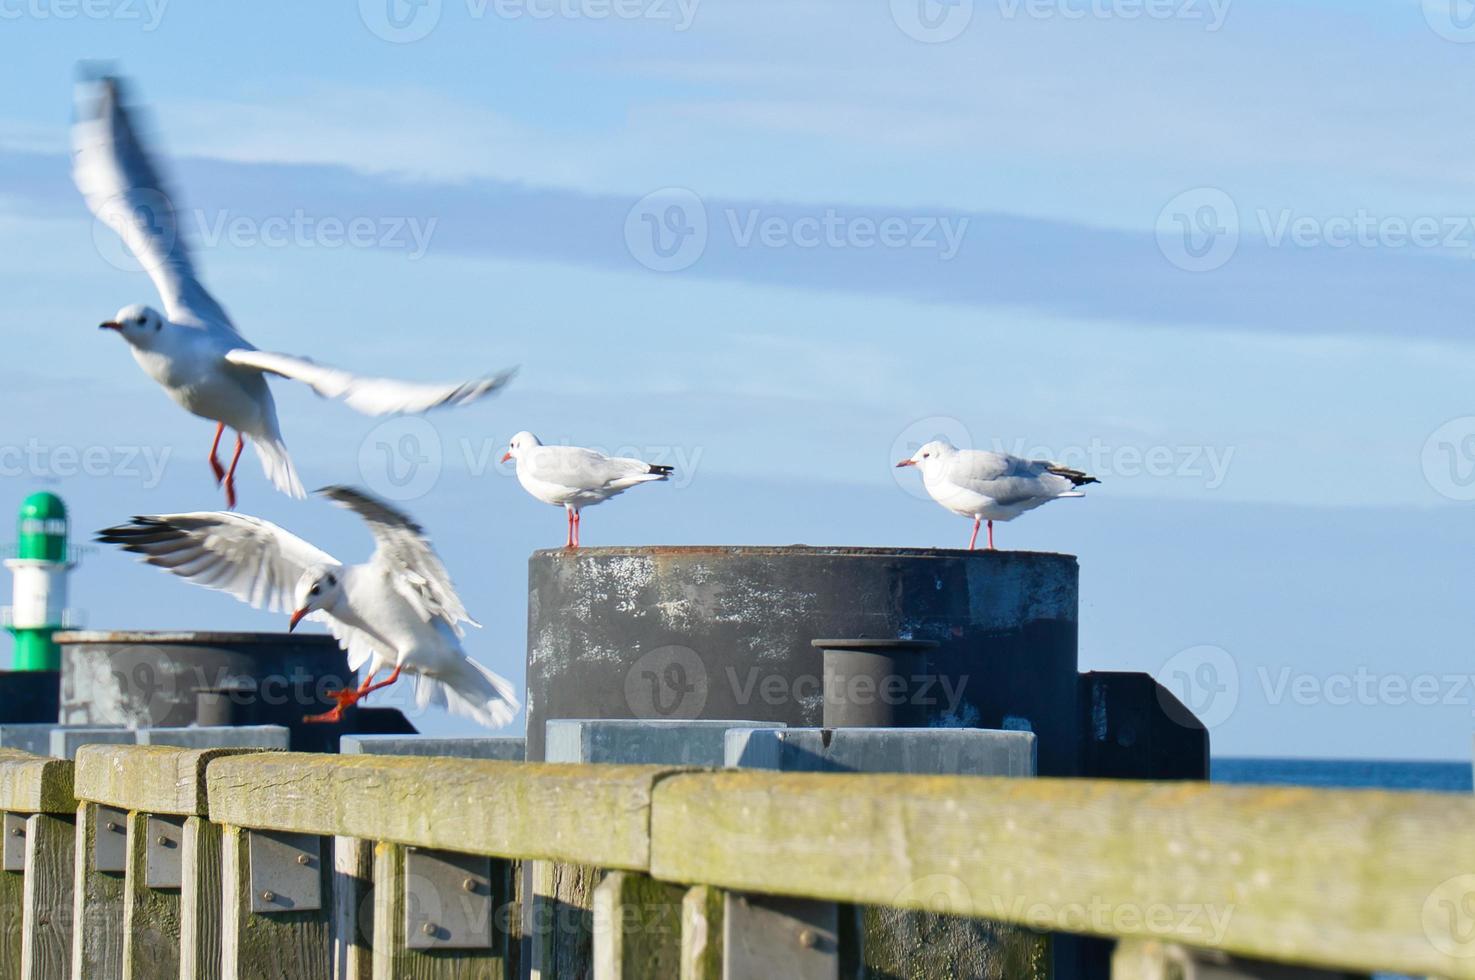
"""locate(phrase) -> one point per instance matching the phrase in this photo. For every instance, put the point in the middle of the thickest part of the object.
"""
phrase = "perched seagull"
(397, 610)
(574, 478)
(192, 349)
(991, 486)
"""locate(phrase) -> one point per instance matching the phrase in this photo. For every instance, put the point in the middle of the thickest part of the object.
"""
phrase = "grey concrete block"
(953, 751)
(217, 737)
(32, 737)
(642, 742)
(502, 748)
(66, 741)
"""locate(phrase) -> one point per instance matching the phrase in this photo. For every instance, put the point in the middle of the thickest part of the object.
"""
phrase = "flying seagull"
(397, 610)
(574, 478)
(192, 349)
(991, 486)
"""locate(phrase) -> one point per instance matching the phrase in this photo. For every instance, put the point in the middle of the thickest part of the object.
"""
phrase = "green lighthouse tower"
(40, 569)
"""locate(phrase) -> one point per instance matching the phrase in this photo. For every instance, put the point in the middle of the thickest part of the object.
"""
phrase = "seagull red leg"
(230, 474)
(349, 696)
(576, 528)
(215, 466)
(568, 541)
(991, 536)
(974, 540)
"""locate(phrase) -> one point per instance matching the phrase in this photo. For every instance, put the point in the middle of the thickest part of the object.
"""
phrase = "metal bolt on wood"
(268, 896)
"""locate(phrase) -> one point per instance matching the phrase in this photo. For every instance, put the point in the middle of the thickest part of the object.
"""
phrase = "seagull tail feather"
(278, 466)
(471, 691)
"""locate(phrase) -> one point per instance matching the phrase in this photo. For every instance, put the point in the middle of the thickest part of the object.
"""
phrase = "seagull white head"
(140, 325)
(318, 588)
(932, 451)
(521, 441)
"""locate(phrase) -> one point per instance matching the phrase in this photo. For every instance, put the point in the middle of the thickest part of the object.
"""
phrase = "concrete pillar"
(713, 633)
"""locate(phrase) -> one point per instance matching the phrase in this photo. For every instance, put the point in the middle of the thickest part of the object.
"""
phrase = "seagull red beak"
(906, 462)
(110, 325)
(296, 618)
(506, 457)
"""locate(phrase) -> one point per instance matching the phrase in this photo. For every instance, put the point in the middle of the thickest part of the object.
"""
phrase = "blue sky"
(1221, 253)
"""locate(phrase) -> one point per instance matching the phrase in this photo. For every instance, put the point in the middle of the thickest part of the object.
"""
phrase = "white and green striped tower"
(40, 568)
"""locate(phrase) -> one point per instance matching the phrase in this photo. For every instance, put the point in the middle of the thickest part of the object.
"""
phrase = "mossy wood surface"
(150, 778)
(1330, 878)
(199, 900)
(151, 916)
(273, 945)
(97, 910)
(598, 815)
(46, 940)
(701, 933)
(393, 960)
(637, 927)
(35, 784)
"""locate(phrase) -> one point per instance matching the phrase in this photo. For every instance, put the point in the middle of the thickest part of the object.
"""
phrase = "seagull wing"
(254, 560)
(123, 189)
(372, 396)
(404, 555)
(585, 469)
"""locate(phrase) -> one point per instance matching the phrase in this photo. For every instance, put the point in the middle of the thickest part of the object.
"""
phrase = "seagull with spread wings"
(397, 610)
(991, 486)
(192, 349)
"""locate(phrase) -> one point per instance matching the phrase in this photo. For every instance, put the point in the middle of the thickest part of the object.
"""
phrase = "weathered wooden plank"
(637, 927)
(35, 784)
(598, 815)
(1149, 960)
(271, 945)
(701, 933)
(12, 890)
(97, 907)
(353, 906)
(559, 919)
(149, 778)
(392, 958)
(46, 940)
(151, 916)
(1242, 869)
(199, 901)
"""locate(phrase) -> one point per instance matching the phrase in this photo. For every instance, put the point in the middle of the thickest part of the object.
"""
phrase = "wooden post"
(637, 927)
(97, 901)
(170, 897)
(47, 934)
(353, 919)
(270, 944)
(701, 933)
(435, 899)
(36, 797)
(199, 901)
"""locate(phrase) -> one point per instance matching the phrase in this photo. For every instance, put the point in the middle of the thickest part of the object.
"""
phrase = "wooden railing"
(147, 862)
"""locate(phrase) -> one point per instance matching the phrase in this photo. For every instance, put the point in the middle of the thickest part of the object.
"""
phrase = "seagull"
(991, 486)
(396, 610)
(192, 349)
(574, 478)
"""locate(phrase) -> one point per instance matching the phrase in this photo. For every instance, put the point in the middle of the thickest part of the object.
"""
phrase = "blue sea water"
(1428, 777)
